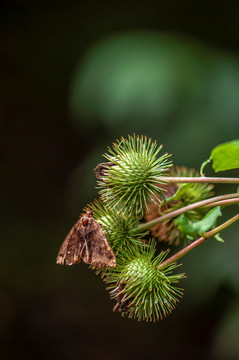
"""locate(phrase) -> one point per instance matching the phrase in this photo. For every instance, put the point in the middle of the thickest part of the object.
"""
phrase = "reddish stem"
(199, 241)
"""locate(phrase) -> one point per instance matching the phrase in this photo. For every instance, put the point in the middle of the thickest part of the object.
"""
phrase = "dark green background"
(71, 83)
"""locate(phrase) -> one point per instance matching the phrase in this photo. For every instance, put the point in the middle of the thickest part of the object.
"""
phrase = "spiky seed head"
(118, 225)
(134, 179)
(168, 230)
(145, 292)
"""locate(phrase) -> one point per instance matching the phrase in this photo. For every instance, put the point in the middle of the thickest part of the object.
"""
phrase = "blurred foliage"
(166, 86)
(128, 78)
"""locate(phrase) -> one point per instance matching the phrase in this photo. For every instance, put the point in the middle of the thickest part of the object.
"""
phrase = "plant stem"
(223, 202)
(200, 179)
(182, 210)
(199, 241)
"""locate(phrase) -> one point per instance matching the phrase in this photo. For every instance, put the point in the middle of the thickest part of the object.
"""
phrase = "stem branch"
(200, 179)
(199, 241)
(223, 202)
(182, 210)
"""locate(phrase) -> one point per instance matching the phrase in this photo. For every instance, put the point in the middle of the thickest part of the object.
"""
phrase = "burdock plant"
(143, 200)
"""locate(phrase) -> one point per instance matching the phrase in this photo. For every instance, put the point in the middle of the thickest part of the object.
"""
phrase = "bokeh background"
(75, 76)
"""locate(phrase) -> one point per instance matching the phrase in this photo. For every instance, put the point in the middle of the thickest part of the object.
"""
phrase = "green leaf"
(193, 228)
(182, 191)
(226, 156)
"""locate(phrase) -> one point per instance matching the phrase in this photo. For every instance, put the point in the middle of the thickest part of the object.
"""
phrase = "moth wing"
(72, 247)
(98, 251)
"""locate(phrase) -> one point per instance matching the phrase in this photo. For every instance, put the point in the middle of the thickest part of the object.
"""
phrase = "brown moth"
(86, 241)
(122, 304)
(100, 170)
